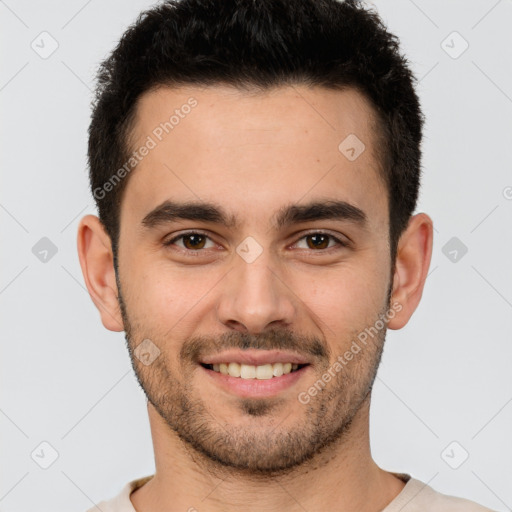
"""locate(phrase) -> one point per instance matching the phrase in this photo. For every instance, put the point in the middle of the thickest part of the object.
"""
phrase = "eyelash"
(168, 243)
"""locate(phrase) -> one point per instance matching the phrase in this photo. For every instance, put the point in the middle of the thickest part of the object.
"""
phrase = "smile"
(261, 372)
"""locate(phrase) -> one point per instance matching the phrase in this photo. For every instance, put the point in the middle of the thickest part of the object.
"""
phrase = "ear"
(97, 262)
(412, 263)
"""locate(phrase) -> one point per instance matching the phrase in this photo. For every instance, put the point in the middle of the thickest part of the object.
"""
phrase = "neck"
(343, 474)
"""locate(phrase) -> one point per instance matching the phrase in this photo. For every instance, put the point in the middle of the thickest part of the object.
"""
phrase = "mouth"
(251, 381)
(260, 372)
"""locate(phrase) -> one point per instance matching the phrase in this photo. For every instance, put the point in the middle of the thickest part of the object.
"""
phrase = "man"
(256, 166)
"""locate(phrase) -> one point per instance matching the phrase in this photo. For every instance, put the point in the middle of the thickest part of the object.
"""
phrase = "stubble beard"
(265, 445)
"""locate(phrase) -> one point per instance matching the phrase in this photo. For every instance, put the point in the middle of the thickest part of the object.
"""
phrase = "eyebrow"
(170, 211)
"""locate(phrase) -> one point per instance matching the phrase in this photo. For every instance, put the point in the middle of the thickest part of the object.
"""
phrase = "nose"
(256, 297)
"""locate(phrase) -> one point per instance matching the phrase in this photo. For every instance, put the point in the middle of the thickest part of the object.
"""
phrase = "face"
(285, 255)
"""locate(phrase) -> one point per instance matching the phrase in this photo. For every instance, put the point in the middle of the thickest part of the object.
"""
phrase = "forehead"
(253, 151)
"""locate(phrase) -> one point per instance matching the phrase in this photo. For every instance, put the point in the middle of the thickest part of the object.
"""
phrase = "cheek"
(163, 294)
(357, 284)
(344, 299)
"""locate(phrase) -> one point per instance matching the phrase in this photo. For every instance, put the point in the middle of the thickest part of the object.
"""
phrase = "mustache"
(196, 348)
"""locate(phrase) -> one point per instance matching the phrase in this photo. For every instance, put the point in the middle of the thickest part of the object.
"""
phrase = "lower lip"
(255, 387)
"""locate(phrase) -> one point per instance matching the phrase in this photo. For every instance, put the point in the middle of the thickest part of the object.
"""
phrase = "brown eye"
(318, 241)
(192, 241)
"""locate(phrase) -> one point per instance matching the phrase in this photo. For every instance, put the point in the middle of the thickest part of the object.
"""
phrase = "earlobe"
(412, 263)
(96, 260)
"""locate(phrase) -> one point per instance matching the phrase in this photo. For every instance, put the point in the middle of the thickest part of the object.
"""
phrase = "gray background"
(67, 381)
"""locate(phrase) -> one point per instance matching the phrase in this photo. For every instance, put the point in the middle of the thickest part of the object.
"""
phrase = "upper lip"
(254, 357)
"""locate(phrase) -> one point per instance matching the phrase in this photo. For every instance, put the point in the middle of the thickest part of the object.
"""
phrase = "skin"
(253, 154)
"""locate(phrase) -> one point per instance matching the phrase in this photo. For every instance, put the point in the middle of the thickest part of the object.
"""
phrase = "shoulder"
(121, 502)
(417, 496)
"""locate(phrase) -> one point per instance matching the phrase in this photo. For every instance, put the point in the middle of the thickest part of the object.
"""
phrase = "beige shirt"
(415, 497)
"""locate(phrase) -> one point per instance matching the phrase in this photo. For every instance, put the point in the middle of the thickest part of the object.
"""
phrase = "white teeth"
(262, 372)
(246, 371)
(278, 370)
(234, 369)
